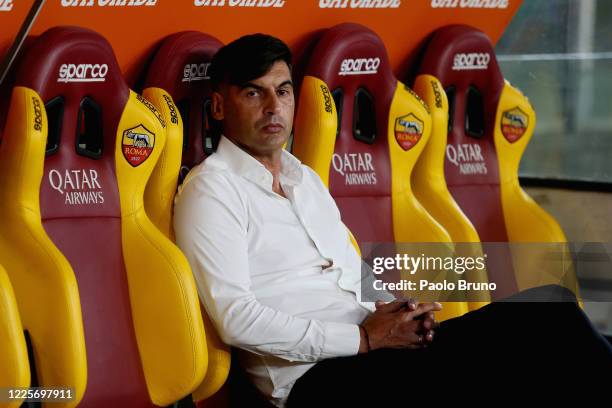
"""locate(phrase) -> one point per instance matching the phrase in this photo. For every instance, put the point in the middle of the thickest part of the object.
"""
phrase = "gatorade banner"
(134, 27)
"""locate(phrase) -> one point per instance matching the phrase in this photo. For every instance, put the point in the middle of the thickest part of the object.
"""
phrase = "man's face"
(258, 116)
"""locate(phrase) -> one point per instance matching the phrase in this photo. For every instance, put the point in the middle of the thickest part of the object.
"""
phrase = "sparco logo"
(437, 94)
(152, 108)
(501, 4)
(239, 3)
(37, 114)
(82, 73)
(6, 5)
(359, 66)
(473, 60)
(78, 186)
(326, 99)
(172, 109)
(104, 3)
(196, 72)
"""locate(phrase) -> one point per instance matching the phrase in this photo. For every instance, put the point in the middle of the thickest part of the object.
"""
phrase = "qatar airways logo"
(78, 186)
(467, 157)
(356, 168)
(108, 3)
(239, 3)
(471, 61)
(359, 66)
(82, 73)
(6, 5)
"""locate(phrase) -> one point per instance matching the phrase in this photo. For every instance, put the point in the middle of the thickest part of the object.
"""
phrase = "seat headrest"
(350, 56)
(180, 67)
(461, 56)
(75, 72)
(73, 62)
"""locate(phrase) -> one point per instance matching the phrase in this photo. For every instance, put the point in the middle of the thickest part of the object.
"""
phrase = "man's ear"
(216, 106)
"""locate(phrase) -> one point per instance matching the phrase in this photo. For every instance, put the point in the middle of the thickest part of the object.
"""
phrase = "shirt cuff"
(341, 339)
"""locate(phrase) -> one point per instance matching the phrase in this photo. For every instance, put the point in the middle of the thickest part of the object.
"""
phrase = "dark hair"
(247, 58)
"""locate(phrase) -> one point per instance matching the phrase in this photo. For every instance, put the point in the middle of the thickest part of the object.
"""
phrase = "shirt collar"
(245, 165)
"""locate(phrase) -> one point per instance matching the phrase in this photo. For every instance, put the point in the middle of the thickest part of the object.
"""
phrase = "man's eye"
(252, 93)
(283, 92)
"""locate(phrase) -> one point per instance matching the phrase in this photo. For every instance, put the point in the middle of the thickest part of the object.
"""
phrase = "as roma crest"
(137, 145)
(408, 130)
(514, 124)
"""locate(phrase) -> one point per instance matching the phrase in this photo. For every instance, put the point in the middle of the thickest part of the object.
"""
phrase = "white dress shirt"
(261, 265)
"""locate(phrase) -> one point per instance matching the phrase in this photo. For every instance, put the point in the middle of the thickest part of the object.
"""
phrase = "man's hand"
(399, 324)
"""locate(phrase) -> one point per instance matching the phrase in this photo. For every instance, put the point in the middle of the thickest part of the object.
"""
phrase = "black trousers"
(505, 351)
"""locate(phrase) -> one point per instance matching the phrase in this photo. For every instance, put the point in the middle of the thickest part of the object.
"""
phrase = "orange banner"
(134, 27)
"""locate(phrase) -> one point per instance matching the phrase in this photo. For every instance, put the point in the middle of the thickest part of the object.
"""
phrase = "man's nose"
(273, 104)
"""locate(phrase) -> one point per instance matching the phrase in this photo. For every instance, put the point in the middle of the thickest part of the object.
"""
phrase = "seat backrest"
(362, 131)
(143, 334)
(179, 72)
(15, 371)
(463, 60)
(490, 124)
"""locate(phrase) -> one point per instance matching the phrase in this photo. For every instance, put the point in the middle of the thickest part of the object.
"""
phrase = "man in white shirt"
(274, 264)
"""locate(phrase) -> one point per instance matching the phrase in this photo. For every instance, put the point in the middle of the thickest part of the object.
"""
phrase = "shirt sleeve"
(211, 221)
